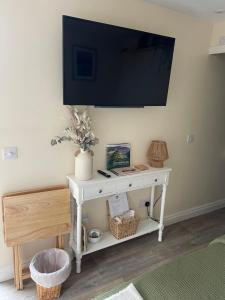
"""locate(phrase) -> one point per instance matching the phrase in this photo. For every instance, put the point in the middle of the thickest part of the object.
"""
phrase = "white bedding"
(129, 292)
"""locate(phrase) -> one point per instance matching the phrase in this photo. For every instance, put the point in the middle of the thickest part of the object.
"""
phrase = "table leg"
(17, 268)
(20, 268)
(161, 220)
(152, 201)
(79, 238)
(60, 242)
(72, 231)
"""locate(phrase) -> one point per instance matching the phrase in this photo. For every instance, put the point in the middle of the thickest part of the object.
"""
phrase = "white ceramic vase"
(84, 165)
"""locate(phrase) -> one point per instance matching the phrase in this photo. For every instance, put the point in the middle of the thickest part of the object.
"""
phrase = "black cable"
(158, 199)
(148, 211)
(147, 204)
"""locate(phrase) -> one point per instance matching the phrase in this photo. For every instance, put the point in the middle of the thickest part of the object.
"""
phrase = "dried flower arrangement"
(80, 132)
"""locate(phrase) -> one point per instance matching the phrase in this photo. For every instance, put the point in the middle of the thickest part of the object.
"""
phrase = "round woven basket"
(48, 293)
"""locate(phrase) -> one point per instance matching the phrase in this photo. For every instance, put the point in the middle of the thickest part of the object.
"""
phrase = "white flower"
(80, 132)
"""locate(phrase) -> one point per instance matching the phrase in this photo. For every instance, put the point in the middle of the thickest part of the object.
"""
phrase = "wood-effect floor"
(106, 268)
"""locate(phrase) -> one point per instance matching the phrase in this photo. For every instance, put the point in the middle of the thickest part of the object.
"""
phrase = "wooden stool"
(34, 215)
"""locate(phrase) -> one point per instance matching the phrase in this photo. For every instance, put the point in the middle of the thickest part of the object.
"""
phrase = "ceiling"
(199, 8)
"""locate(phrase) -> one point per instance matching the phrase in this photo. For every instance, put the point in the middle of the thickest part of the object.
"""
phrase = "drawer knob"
(100, 191)
(156, 180)
(130, 184)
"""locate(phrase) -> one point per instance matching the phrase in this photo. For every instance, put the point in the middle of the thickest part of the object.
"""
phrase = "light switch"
(9, 153)
(190, 138)
(222, 40)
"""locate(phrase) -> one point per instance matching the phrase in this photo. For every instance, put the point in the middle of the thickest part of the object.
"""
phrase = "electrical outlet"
(222, 40)
(142, 203)
(147, 203)
(190, 138)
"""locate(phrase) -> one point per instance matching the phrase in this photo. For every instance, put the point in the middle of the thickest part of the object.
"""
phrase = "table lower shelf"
(144, 227)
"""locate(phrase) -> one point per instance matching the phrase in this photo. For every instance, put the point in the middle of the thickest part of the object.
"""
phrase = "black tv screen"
(106, 65)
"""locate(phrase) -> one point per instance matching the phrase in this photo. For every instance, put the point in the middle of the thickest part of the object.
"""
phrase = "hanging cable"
(157, 199)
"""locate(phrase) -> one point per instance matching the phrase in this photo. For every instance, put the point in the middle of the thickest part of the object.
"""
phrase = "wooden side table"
(33, 215)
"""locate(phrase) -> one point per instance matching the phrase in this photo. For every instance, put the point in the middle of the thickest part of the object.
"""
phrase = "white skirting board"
(6, 272)
(194, 212)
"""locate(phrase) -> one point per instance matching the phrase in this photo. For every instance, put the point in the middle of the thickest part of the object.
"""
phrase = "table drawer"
(154, 180)
(98, 190)
(129, 184)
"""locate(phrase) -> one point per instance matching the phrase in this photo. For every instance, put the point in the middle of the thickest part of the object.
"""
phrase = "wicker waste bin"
(49, 269)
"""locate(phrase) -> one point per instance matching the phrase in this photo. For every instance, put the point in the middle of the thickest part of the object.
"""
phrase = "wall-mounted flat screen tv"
(111, 66)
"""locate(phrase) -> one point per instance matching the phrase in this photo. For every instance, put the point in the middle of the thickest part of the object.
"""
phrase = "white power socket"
(190, 138)
(222, 40)
(142, 203)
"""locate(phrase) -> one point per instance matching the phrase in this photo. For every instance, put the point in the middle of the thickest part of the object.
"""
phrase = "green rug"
(198, 276)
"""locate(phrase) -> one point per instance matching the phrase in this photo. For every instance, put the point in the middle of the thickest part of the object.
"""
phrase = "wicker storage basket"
(124, 229)
(48, 293)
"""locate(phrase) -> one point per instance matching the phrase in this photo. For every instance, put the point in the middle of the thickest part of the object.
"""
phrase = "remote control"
(103, 173)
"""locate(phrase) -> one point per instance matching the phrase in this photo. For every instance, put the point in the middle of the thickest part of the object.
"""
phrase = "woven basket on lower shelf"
(127, 228)
(48, 293)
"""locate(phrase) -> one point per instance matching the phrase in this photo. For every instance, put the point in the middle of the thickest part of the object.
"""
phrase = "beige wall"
(218, 32)
(31, 109)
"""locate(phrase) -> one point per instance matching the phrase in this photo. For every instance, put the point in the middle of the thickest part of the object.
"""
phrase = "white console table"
(101, 186)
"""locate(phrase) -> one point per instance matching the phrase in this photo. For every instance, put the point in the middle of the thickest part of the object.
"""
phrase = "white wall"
(218, 32)
(31, 110)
